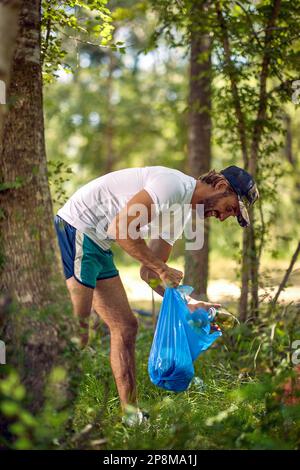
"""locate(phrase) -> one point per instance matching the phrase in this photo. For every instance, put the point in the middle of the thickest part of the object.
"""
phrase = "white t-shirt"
(92, 208)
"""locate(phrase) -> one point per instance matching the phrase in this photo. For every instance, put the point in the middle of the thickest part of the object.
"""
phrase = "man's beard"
(210, 203)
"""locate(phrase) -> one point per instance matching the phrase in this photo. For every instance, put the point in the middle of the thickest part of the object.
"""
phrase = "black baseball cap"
(245, 188)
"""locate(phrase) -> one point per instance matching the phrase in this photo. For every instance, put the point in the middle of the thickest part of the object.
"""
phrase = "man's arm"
(162, 250)
(125, 230)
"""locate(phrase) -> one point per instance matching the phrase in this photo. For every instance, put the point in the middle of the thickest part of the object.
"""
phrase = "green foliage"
(255, 62)
(20, 429)
(71, 21)
(52, 419)
(17, 431)
(115, 106)
(114, 110)
(58, 173)
(117, 110)
(248, 58)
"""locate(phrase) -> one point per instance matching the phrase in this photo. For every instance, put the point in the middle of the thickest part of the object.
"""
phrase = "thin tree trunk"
(250, 261)
(255, 144)
(288, 150)
(250, 267)
(199, 141)
(109, 129)
(286, 276)
(254, 269)
(263, 95)
(243, 301)
(9, 17)
(233, 76)
(241, 128)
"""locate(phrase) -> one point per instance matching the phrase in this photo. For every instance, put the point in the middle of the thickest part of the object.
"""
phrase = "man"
(103, 211)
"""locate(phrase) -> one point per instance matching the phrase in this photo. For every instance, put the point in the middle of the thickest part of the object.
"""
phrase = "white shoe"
(134, 416)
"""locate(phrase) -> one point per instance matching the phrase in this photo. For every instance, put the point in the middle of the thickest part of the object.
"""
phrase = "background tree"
(29, 270)
(9, 14)
(26, 206)
(251, 68)
(254, 50)
(25, 196)
(199, 131)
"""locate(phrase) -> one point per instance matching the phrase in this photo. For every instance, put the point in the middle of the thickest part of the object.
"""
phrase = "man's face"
(221, 205)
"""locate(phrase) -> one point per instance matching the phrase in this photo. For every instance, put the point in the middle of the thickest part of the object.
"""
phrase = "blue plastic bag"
(176, 345)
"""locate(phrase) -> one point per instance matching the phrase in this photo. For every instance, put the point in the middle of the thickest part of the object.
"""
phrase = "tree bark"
(255, 260)
(9, 16)
(243, 301)
(27, 234)
(28, 243)
(199, 140)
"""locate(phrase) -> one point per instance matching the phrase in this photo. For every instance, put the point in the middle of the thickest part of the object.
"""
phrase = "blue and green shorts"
(82, 257)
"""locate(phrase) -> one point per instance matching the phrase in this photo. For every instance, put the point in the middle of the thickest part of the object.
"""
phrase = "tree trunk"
(245, 275)
(28, 242)
(199, 140)
(286, 276)
(288, 149)
(27, 234)
(255, 148)
(9, 16)
(254, 269)
(109, 128)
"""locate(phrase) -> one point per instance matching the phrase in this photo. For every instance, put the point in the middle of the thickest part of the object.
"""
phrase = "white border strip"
(78, 254)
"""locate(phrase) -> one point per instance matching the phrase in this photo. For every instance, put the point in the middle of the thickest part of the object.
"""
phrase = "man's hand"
(152, 279)
(170, 277)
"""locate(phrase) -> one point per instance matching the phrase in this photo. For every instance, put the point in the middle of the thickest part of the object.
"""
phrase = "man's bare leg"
(81, 297)
(111, 303)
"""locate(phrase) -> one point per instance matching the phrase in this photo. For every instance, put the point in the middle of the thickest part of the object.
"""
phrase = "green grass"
(215, 416)
(171, 413)
(240, 405)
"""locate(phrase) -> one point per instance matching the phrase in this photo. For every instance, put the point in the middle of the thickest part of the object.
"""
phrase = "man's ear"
(221, 186)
